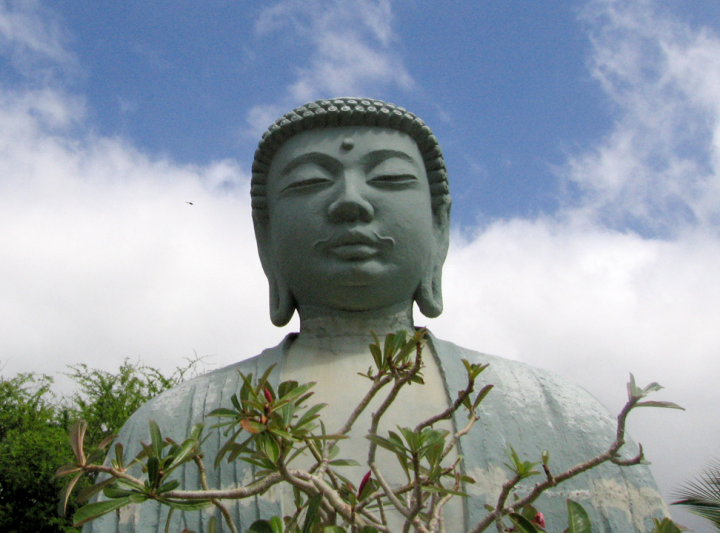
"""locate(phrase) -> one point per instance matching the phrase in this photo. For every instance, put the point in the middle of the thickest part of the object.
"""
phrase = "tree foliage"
(33, 444)
(34, 423)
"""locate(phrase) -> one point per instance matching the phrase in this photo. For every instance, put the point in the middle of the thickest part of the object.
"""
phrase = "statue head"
(351, 208)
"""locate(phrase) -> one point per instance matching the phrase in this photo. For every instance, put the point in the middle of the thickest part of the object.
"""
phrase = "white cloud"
(34, 39)
(352, 51)
(659, 166)
(103, 259)
(594, 304)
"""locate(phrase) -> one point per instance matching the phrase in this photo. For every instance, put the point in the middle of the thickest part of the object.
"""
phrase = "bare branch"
(204, 484)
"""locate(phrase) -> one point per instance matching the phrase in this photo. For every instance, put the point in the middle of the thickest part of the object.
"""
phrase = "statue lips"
(354, 245)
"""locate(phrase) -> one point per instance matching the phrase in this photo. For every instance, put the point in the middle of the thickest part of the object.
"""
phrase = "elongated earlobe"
(282, 303)
(429, 294)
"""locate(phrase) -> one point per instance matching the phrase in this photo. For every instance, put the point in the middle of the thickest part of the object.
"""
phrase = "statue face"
(350, 220)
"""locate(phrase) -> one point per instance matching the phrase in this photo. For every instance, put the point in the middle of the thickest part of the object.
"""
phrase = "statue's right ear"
(282, 303)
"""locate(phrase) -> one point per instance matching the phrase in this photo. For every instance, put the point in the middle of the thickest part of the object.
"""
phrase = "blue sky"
(505, 86)
(582, 140)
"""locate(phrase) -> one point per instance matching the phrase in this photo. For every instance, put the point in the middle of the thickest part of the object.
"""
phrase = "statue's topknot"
(347, 112)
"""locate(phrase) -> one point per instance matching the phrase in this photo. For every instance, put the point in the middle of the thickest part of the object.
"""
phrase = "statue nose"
(351, 205)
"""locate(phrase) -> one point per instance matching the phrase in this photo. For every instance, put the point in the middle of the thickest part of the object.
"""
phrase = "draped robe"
(529, 409)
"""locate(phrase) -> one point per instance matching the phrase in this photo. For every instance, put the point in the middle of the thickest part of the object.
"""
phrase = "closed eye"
(308, 183)
(393, 180)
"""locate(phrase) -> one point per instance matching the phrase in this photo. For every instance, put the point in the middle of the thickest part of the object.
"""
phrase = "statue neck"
(349, 331)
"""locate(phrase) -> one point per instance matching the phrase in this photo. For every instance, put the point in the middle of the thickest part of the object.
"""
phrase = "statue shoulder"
(519, 382)
(534, 410)
(178, 408)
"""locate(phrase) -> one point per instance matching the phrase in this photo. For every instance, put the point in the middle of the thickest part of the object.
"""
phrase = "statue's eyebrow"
(374, 158)
(318, 158)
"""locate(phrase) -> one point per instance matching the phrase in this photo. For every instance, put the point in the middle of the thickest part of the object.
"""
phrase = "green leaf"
(276, 524)
(654, 386)
(196, 431)
(481, 395)
(578, 520)
(212, 525)
(153, 467)
(94, 510)
(344, 462)
(285, 387)
(406, 350)
(236, 449)
(236, 402)
(65, 493)
(227, 447)
(312, 513)
(282, 434)
(115, 493)
(309, 415)
(388, 346)
(65, 470)
(368, 529)
(119, 452)
(271, 448)
(667, 405)
(156, 437)
(522, 524)
(106, 441)
(195, 505)
(293, 395)
(667, 526)
(223, 412)
(185, 453)
(138, 497)
(96, 456)
(260, 526)
(262, 381)
(77, 440)
(169, 486)
(377, 356)
(633, 390)
(333, 529)
(252, 426)
(385, 443)
(88, 492)
(529, 512)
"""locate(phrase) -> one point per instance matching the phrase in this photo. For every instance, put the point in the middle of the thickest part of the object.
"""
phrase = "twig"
(539, 488)
(204, 484)
(448, 413)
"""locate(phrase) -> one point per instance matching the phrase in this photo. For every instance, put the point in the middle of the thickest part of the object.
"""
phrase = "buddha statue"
(351, 208)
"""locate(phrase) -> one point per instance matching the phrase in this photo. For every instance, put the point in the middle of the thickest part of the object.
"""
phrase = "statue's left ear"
(282, 303)
(429, 293)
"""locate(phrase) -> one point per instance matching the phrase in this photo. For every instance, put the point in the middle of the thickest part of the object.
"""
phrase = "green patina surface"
(351, 212)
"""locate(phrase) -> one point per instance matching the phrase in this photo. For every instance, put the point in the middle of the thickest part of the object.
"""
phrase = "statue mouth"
(354, 245)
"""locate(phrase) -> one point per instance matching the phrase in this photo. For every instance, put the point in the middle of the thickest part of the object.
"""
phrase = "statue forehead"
(339, 113)
(345, 142)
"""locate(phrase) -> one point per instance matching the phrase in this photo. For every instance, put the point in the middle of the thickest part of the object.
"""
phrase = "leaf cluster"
(268, 429)
(269, 421)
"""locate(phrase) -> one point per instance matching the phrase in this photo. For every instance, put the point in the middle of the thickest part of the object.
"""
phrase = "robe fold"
(529, 409)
